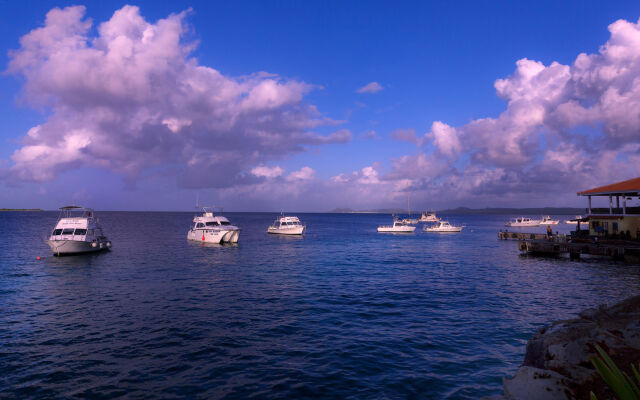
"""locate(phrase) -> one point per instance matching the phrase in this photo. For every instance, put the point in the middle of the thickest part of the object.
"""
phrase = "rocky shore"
(556, 364)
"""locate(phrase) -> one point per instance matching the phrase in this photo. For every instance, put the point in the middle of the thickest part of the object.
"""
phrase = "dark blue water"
(344, 312)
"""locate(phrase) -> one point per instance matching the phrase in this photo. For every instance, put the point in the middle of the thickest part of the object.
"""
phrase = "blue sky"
(435, 61)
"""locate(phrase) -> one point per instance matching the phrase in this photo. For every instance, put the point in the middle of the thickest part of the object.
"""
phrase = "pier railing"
(614, 211)
(506, 235)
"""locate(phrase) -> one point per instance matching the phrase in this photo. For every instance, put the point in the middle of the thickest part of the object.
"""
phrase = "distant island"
(466, 210)
(523, 211)
(376, 211)
(20, 209)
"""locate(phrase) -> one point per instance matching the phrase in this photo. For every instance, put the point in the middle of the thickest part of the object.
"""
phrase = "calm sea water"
(344, 312)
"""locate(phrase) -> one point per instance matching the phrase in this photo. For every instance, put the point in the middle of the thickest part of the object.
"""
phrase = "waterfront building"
(618, 220)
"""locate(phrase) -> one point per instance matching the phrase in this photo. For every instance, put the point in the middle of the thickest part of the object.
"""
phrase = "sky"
(311, 106)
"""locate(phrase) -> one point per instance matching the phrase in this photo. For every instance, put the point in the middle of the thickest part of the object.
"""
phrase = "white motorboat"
(428, 216)
(523, 221)
(77, 231)
(573, 221)
(546, 220)
(397, 227)
(209, 228)
(443, 226)
(286, 226)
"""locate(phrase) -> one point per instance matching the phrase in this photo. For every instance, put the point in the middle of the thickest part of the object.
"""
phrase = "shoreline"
(556, 364)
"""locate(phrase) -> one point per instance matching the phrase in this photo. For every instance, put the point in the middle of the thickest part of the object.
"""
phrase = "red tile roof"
(629, 186)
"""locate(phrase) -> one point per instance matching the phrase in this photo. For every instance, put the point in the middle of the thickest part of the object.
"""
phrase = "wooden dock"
(574, 248)
(521, 236)
(628, 251)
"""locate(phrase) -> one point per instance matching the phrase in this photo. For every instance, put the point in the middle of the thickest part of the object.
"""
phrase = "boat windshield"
(225, 223)
(212, 223)
(57, 232)
(67, 231)
(80, 232)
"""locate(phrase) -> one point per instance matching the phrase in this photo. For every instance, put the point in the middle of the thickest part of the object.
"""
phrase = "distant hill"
(376, 211)
(467, 211)
(20, 209)
(342, 210)
(523, 211)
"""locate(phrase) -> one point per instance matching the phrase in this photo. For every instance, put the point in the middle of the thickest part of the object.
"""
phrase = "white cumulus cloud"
(128, 97)
(303, 174)
(267, 172)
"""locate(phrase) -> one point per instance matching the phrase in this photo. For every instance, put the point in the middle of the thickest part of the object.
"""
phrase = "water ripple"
(341, 313)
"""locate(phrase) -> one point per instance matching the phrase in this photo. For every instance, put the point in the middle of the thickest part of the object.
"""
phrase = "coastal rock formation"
(556, 364)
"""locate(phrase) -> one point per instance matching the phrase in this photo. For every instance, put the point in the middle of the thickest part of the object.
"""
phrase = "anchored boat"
(286, 226)
(410, 221)
(77, 231)
(443, 226)
(429, 216)
(397, 227)
(546, 220)
(523, 221)
(209, 228)
(574, 221)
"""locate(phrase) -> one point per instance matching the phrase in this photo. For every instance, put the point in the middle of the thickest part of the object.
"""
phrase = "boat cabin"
(75, 223)
(287, 222)
(209, 221)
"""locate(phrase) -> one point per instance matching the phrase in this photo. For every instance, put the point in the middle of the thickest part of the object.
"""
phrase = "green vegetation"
(623, 385)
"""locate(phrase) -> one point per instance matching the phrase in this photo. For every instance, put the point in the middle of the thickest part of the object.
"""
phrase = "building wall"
(598, 226)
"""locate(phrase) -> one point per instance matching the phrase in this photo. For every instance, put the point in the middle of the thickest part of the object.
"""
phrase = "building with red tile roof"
(615, 221)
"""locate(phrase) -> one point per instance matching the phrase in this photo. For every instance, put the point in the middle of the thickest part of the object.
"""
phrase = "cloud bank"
(131, 99)
(565, 128)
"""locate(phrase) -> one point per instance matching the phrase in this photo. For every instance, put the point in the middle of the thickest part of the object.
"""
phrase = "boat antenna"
(408, 200)
(197, 199)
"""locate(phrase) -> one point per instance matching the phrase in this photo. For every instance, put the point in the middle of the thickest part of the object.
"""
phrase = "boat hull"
(449, 230)
(207, 236)
(520, 225)
(72, 247)
(231, 236)
(396, 229)
(298, 230)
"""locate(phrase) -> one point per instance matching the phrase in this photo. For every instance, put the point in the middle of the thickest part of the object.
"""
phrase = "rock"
(556, 364)
(547, 385)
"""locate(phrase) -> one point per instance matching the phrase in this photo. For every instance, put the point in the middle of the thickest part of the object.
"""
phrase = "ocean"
(343, 312)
